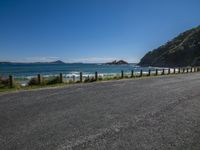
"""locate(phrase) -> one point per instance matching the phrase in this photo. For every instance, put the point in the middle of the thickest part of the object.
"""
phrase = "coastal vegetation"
(44, 81)
(184, 50)
(4, 82)
(10, 84)
(33, 81)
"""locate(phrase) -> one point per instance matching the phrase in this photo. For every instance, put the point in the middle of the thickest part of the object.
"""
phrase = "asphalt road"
(161, 113)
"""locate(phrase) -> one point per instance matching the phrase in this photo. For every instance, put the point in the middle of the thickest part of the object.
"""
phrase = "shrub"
(126, 76)
(89, 80)
(71, 82)
(100, 78)
(33, 81)
(4, 82)
(116, 77)
(53, 80)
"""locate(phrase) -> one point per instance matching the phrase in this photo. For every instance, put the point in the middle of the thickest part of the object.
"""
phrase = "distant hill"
(184, 50)
(5, 62)
(115, 62)
(57, 62)
(53, 62)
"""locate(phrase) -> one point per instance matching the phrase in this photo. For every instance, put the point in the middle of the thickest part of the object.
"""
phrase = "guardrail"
(133, 74)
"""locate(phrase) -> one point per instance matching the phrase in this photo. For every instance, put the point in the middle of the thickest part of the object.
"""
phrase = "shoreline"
(69, 84)
(23, 80)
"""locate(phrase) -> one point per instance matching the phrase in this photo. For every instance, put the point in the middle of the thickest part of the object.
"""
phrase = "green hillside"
(184, 50)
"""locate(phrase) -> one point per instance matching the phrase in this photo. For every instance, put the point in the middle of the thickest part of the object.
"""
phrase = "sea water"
(27, 71)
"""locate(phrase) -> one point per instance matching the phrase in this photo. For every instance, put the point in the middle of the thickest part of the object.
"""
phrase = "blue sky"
(90, 30)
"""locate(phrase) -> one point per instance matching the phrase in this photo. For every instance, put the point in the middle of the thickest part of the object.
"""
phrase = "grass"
(19, 88)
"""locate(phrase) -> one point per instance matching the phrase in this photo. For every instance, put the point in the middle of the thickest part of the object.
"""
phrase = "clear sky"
(90, 30)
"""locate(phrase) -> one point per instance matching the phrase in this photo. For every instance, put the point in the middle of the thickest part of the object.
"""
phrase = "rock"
(115, 62)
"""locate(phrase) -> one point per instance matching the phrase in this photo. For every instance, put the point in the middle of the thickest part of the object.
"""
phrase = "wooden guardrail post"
(179, 70)
(141, 72)
(156, 72)
(174, 70)
(39, 78)
(187, 70)
(61, 78)
(81, 77)
(149, 72)
(122, 74)
(163, 71)
(169, 71)
(183, 70)
(96, 76)
(11, 81)
(132, 73)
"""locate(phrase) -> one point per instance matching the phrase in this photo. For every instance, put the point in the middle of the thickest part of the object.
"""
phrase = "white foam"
(24, 84)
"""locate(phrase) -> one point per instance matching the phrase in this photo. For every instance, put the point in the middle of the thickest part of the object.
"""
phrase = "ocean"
(27, 71)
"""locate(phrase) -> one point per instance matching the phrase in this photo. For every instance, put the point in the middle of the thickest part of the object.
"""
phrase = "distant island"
(115, 62)
(184, 50)
(57, 62)
(53, 62)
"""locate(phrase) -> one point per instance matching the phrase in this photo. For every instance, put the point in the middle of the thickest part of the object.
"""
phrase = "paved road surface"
(160, 113)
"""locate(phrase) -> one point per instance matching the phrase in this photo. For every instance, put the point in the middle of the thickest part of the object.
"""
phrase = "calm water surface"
(69, 70)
